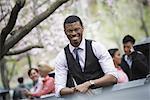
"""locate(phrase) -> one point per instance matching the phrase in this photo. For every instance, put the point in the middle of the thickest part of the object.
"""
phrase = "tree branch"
(38, 6)
(11, 23)
(11, 73)
(2, 18)
(22, 50)
(10, 42)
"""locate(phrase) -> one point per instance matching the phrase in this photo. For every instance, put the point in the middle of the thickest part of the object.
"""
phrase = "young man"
(82, 64)
(134, 62)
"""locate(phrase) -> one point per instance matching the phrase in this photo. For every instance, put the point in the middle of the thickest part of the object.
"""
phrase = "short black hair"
(113, 51)
(128, 38)
(20, 80)
(72, 19)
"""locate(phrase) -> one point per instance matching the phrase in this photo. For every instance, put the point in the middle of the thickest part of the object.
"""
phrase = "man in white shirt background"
(82, 64)
(134, 63)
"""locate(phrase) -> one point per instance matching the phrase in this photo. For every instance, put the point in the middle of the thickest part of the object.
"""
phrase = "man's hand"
(83, 88)
(131, 50)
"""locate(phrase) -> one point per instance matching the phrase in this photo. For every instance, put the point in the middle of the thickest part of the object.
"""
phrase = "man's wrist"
(67, 90)
(92, 83)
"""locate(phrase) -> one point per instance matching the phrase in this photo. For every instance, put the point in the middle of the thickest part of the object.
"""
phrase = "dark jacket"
(139, 68)
(92, 69)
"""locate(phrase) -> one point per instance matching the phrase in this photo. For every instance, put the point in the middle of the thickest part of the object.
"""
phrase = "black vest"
(92, 68)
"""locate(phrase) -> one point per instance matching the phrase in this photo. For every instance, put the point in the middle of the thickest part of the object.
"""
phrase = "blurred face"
(117, 58)
(74, 32)
(34, 75)
(127, 48)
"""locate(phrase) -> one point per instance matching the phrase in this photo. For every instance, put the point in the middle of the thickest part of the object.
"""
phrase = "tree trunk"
(4, 73)
(4, 78)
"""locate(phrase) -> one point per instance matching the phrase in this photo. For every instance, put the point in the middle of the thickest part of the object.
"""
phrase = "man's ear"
(65, 31)
(83, 27)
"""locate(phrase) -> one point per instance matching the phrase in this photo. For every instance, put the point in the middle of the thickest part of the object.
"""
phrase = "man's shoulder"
(96, 43)
(66, 46)
(89, 40)
(139, 53)
(59, 57)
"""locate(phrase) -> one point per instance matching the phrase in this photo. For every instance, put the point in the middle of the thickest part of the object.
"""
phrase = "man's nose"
(73, 33)
(126, 50)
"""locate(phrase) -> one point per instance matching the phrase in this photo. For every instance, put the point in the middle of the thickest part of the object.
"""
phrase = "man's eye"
(77, 29)
(69, 31)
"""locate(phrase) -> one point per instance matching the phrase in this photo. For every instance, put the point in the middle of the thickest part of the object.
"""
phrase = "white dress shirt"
(61, 66)
(128, 59)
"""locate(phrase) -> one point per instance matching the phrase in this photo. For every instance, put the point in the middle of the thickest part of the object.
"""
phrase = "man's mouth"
(75, 38)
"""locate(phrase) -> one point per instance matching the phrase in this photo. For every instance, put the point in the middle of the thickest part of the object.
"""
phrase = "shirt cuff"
(57, 91)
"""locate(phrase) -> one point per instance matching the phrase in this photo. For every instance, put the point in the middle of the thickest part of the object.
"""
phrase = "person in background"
(133, 63)
(34, 75)
(83, 64)
(18, 92)
(115, 54)
(48, 82)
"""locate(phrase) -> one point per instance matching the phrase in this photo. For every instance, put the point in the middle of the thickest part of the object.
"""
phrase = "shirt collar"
(127, 57)
(81, 46)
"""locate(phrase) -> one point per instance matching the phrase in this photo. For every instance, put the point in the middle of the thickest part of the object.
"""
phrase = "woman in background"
(115, 54)
(34, 75)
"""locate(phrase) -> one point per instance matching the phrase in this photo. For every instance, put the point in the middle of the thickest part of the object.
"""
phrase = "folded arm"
(103, 81)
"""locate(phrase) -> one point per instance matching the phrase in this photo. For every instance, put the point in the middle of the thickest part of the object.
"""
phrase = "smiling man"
(82, 64)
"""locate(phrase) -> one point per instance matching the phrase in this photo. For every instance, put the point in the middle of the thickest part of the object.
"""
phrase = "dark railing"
(3, 94)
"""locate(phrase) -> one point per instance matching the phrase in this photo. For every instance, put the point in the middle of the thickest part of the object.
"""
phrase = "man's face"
(127, 48)
(74, 32)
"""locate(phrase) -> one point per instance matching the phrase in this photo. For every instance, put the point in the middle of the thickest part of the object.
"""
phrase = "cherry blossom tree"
(9, 37)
